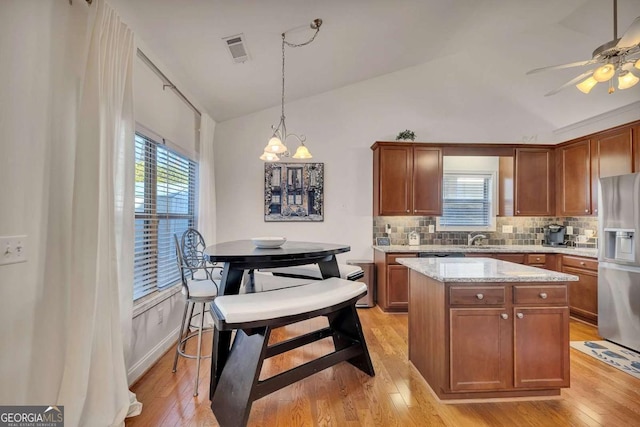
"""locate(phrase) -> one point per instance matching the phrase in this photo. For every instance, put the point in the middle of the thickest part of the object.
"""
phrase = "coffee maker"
(554, 235)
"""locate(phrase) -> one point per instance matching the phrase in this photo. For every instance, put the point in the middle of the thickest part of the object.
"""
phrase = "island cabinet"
(407, 179)
(392, 281)
(534, 182)
(487, 340)
(583, 294)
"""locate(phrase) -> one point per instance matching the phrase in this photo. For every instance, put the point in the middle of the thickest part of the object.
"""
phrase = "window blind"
(165, 204)
(466, 200)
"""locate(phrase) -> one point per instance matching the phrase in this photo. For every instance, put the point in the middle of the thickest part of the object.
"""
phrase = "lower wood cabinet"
(583, 294)
(392, 281)
(489, 339)
(521, 342)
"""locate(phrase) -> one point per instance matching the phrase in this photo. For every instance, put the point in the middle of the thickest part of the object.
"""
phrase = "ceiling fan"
(620, 55)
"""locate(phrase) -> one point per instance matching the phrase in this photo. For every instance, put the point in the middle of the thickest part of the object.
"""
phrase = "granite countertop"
(482, 270)
(585, 252)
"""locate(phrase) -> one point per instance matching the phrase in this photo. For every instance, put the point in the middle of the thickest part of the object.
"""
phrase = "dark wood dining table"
(240, 256)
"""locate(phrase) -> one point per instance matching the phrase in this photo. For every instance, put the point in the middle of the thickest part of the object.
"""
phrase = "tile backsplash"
(526, 230)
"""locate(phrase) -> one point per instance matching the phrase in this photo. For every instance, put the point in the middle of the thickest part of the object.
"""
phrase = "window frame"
(151, 217)
(493, 201)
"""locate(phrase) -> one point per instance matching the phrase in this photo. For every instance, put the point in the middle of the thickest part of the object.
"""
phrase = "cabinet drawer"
(469, 295)
(391, 259)
(552, 294)
(534, 259)
(578, 262)
(517, 258)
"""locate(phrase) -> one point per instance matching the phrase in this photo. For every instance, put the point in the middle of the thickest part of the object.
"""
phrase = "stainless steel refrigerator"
(619, 260)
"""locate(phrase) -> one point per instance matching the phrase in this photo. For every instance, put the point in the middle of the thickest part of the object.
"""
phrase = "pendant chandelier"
(276, 145)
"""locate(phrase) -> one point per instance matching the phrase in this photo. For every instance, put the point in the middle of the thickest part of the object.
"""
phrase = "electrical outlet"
(589, 233)
(507, 228)
(569, 229)
(13, 249)
(160, 315)
(432, 228)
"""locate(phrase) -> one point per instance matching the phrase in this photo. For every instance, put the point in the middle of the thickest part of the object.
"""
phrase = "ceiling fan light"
(586, 85)
(627, 80)
(302, 153)
(604, 73)
(275, 145)
(269, 157)
(637, 64)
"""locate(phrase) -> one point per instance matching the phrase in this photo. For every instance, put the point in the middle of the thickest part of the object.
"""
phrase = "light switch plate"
(589, 233)
(13, 249)
(507, 228)
(569, 229)
(432, 228)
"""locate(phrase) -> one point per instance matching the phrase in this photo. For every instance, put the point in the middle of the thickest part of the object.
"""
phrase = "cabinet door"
(583, 294)
(533, 182)
(427, 181)
(395, 183)
(397, 287)
(541, 347)
(612, 154)
(575, 179)
(479, 349)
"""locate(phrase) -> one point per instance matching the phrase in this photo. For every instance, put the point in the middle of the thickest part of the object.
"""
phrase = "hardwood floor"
(397, 396)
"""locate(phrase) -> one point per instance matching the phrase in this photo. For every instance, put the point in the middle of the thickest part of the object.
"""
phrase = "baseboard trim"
(145, 363)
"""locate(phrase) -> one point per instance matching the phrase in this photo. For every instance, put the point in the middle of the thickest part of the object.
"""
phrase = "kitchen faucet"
(471, 239)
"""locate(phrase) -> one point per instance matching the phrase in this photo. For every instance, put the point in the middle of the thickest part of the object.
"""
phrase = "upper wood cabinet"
(534, 182)
(427, 181)
(574, 174)
(611, 154)
(407, 179)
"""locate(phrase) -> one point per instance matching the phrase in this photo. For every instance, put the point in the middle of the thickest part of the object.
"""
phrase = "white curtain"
(206, 182)
(94, 386)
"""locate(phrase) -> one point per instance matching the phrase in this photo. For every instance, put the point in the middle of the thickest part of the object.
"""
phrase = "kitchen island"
(484, 328)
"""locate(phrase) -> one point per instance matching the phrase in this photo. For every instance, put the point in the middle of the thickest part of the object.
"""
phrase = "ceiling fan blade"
(561, 66)
(632, 36)
(571, 82)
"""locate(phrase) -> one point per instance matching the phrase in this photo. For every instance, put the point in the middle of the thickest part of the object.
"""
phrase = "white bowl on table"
(268, 242)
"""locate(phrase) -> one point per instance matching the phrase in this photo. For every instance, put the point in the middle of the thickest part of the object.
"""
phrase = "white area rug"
(619, 357)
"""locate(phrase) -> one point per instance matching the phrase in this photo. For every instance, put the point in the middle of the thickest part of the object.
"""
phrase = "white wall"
(167, 116)
(342, 124)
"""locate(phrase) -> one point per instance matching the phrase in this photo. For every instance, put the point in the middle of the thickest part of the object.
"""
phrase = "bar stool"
(198, 287)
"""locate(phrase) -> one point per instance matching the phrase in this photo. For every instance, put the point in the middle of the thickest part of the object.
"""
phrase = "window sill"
(147, 302)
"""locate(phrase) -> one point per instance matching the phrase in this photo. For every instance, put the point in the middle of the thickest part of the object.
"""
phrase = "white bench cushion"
(287, 302)
(313, 270)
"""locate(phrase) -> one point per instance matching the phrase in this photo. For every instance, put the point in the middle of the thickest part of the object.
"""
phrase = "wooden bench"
(255, 315)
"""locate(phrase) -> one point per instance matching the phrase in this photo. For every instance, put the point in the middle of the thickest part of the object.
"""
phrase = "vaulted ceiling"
(487, 46)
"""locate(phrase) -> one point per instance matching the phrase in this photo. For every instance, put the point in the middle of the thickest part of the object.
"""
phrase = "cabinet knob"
(543, 295)
(582, 263)
(407, 210)
(479, 296)
(520, 315)
(537, 258)
(504, 316)
(586, 211)
(517, 211)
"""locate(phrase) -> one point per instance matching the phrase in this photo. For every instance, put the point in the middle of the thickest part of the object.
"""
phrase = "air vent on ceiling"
(237, 48)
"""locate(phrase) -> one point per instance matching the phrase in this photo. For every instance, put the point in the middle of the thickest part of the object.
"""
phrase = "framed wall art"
(293, 192)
